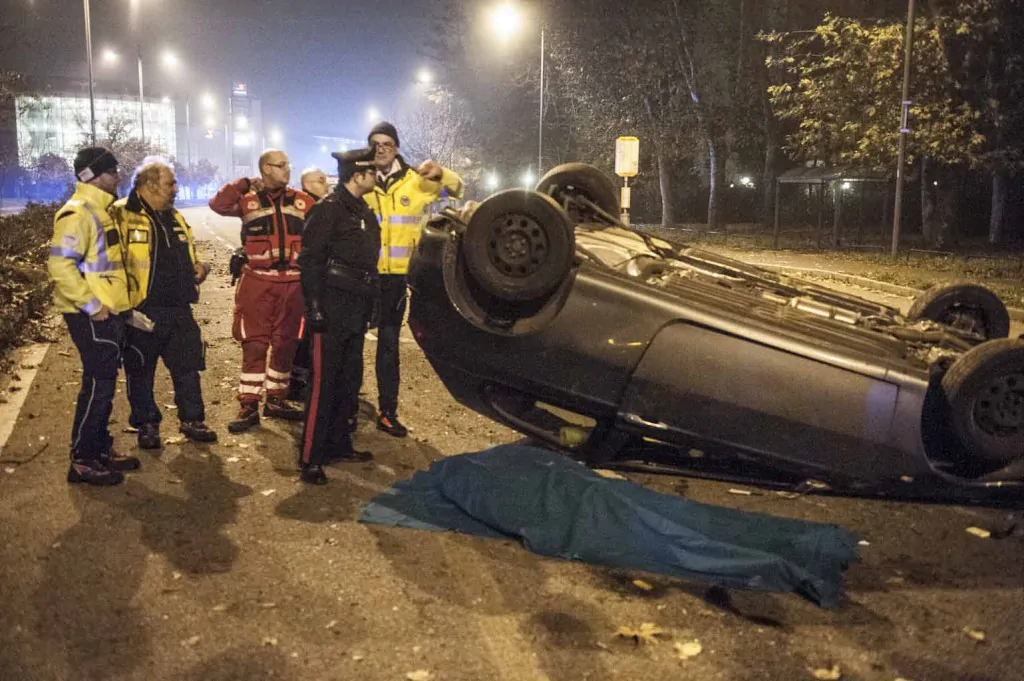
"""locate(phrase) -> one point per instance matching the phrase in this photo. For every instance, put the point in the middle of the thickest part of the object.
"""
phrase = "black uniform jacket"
(340, 247)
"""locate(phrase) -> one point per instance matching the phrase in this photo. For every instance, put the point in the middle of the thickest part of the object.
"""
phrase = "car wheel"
(968, 307)
(574, 180)
(985, 392)
(518, 245)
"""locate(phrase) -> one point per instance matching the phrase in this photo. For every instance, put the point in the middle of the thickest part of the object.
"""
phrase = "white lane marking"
(31, 356)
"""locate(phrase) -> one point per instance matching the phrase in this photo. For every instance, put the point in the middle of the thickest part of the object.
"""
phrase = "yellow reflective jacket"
(401, 205)
(86, 262)
(136, 230)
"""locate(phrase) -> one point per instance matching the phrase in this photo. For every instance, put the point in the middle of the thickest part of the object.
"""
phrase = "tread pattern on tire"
(997, 316)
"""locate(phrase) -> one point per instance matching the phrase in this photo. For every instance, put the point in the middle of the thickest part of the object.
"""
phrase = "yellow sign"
(627, 156)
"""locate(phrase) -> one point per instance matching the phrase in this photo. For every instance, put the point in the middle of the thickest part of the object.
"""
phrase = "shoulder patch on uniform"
(61, 216)
(69, 240)
(405, 201)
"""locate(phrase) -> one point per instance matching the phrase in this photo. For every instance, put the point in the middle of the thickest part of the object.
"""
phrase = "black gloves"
(316, 321)
(238, 259)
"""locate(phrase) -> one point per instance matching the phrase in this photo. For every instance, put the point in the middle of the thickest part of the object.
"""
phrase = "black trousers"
(176, 339)
(337, 374)
(99, 346)
(393, 299)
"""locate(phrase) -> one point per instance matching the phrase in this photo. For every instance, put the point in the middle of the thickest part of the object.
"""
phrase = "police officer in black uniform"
(340, 246)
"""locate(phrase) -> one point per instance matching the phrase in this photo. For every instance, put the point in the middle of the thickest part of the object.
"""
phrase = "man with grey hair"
(314, 182)
(164, 274)
(268, 298)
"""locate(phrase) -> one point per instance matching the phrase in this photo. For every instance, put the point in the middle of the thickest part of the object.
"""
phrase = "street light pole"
(88, 58)
(142, 110)
(188, 134)
(904, 130)
(540, 122)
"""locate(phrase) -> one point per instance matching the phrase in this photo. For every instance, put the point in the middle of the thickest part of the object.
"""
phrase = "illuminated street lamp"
(424, 77)
(275, 136)
(529, 179)
(110, 57)
(491, 182)
(505, 21)
(208, 101)
(373, 115)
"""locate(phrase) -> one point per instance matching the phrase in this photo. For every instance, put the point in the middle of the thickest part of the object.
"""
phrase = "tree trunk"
(947, 199)
(771, 154)
(928, 226)
(996, 232)
(716, 172)
(668, 218)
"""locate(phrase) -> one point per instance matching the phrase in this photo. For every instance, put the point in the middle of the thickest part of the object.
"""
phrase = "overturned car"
(542, 311)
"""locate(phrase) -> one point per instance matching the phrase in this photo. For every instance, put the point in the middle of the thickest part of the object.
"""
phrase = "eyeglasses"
(386, 146)
(282, 166)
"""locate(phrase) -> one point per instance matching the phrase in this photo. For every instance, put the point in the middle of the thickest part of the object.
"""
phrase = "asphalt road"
(214, 563)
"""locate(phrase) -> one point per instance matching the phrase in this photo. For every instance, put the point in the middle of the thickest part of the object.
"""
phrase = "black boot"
(390, 424)
(248, 417)
(119, 462)
(280, 408)
(93, 472)
(149, 436)
(313, 475)
(197, 431)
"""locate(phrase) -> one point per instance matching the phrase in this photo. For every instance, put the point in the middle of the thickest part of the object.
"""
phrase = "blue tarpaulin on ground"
(558, 507)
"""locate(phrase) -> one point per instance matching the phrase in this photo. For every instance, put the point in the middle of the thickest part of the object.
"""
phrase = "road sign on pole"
(627, 165)
(627, 156)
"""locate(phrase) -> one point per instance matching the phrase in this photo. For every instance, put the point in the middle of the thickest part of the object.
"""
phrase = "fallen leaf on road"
(863, 542)
(642, 585)
(129, 429)
(977, 634)
(611, 475)
(602, 646)
(419, 675)
(64, 353)
(979, 532)
(331, 624)
(191, 642)
(170, 406)
(176, 440)
(220, 607)
(684, 651)
(242, 445)
(269, 641)
(268, 492)
(268, 606)
(833, 674)
(176, 575)
(232, 459)
(742, 492)
(10, 470)
(357, 657)
(906, 478)
(645, 634)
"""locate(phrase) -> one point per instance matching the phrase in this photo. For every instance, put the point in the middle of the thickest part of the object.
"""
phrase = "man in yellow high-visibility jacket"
(91, 290)
(400, 200)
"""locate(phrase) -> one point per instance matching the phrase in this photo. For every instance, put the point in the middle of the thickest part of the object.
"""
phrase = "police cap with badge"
(351, 162)
(91, 162)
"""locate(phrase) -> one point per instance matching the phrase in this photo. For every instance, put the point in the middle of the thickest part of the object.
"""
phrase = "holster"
(237, 262)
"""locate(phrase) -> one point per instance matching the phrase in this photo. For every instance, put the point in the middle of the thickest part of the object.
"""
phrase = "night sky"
(317, 65)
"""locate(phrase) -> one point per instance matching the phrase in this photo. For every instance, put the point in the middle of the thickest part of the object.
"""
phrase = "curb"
(1016, 314)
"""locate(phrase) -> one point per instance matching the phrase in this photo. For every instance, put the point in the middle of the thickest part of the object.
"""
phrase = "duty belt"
(346, 277)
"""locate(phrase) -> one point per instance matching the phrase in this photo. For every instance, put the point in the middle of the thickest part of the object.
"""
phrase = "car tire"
(985, 392)
(519, 245)
(965, 306)
(579, 179)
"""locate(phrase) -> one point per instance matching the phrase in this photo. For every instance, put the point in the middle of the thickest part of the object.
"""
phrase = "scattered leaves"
(9, 470)
(611, 475)
(191, 641)
(176, 440)
(268, 492)
(741, 492)
(419, 675)
(832, 674)
(976, 634)
(220, 607)
(642, 585)
(269, 641)
(684, 651)
(232, 459)
(647, 633)
(979, 532)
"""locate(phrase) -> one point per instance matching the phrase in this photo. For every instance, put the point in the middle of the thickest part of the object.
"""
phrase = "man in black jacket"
(340, 284)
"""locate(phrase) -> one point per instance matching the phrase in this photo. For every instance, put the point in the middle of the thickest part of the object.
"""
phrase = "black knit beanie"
(384, 128)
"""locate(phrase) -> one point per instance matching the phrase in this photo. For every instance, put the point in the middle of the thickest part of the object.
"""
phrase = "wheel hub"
(1000, 409)
(517, 245)
(969, 319)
